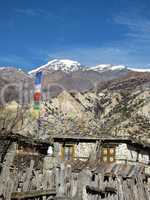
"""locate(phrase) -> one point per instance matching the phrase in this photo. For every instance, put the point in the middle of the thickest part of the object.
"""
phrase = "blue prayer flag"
(38, 78)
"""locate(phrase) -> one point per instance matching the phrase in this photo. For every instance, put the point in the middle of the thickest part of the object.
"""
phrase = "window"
(108, 154)
(26, 150)
(67, 152)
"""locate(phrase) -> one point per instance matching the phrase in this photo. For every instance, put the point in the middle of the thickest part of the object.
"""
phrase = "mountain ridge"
(64, 74)
(113, 102)
(69, 66)
(65, 65)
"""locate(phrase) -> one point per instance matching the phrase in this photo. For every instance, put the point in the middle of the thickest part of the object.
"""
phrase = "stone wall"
(127, 153)
(82, 150)
(124, 154)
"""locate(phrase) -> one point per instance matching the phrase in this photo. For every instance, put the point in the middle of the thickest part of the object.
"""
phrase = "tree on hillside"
(13, 118)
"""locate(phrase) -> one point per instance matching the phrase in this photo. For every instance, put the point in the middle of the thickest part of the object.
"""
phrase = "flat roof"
(102, 139)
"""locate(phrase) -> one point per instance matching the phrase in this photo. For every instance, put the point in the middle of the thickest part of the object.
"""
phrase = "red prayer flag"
(37, 96)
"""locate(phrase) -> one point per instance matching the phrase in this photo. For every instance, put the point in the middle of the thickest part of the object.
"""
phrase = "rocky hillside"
(119, 107)
(59, 75)
(112, 102)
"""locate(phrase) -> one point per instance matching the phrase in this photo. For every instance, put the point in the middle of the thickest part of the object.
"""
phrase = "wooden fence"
(87, 185)
(64, 182)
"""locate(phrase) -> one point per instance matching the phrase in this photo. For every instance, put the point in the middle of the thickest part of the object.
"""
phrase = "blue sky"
(90, 31)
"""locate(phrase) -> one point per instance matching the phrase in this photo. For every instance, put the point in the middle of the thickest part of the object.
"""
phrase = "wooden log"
(68, 181)
(126, 190)
(74, 184)
(38, 179)
(32, 194)
(141, 189)
(28, 177)
(101, 181)
(9, 189)
(110, 190)
(147, 192)
(120, 189)
(57, 171)
(62, 180)
(95, 190)
(135, 191)
(84, 178)
(6, 182)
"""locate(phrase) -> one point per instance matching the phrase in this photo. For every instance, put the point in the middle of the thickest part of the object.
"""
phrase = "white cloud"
(138, 25)
(132, 50)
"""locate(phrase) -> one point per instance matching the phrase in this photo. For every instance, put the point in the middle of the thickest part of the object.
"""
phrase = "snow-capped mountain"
(110, 67)
(139, 69)
(107, 67)
(68, 66)
(59, 64)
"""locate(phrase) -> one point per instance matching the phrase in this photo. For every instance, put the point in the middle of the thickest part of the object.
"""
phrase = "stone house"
(21, 164)
(104, 149)
(28, 165)
(23, 149)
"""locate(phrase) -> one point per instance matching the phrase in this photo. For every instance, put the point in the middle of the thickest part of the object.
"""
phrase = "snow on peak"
(59, 64)
(107, 67)
(68, 66)
(139, 69)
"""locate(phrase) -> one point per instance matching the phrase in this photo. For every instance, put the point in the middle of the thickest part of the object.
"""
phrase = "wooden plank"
(6, 182)
(120, 188)
(95, 190)
(68, 181)
(28, 177)
(31, 194)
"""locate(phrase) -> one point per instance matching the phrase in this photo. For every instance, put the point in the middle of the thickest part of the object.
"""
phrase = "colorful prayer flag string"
(37, 93)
